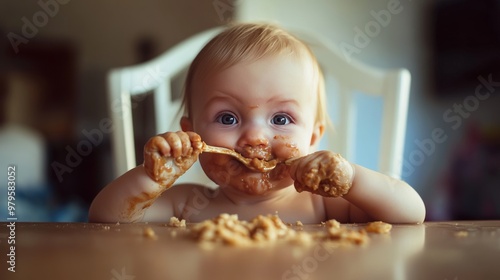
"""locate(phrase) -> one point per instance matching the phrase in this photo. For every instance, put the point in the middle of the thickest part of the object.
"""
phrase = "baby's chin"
(253, 185)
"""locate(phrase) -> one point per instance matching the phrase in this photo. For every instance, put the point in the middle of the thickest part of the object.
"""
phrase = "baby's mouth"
(260, 152)
(259, 158)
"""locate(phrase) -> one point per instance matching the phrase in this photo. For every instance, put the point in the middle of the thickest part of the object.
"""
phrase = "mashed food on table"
(175, 222)
(227, 229)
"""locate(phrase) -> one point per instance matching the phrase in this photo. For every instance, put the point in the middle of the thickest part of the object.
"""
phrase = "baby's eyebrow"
(222, 97)
(285, 101)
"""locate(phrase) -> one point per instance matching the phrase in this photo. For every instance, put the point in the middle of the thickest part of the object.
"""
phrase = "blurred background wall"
(53, 64)
(55, 54)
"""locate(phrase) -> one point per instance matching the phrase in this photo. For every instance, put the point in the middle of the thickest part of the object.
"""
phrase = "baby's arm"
(371, 195)
(377, 196)
(166, 157)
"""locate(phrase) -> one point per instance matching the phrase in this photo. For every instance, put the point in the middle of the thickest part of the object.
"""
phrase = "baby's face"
(264, 109)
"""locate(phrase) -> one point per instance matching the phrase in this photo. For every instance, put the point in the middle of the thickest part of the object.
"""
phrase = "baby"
(258, 90)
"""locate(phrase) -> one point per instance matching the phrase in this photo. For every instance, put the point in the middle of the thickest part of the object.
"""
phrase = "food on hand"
(324, 173)
(159, 161)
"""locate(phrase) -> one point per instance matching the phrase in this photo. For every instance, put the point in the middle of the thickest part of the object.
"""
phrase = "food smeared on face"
(284, 148)
(257, 185)
(262, 152)
(227, 171)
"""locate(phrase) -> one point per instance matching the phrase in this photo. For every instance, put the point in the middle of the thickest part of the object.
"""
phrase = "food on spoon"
(261, 151)
(259, 158)
(256, 160)
(262, 165)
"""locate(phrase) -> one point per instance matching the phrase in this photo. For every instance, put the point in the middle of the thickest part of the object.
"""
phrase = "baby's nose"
(254, 143)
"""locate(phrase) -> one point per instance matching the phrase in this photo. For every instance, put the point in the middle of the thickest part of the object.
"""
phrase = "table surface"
(455, 250)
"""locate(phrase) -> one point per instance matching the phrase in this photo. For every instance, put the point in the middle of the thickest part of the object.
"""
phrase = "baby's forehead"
(302, 60)
(270, 78)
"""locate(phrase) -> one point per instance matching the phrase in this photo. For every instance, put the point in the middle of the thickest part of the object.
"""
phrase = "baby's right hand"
(167, 156)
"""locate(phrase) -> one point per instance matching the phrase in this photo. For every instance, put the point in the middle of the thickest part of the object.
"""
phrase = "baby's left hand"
(323, 172)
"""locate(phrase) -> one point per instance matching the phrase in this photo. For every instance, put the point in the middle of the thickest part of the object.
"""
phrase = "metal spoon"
(252, 163)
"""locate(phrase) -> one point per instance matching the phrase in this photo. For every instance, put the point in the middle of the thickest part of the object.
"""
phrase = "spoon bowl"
(255, 164)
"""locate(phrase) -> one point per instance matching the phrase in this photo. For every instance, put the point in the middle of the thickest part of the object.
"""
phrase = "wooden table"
(70, 251)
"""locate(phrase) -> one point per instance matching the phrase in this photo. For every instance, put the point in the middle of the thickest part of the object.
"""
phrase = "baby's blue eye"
(227, 119)
(280, 120)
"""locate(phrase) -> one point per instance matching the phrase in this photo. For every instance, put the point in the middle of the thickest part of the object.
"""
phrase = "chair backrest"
(155, 77)
(391, 85)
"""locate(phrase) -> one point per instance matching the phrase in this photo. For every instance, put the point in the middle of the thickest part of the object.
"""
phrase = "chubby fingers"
(195, 141)
(169, 155)
(175, 144)
(157, 145)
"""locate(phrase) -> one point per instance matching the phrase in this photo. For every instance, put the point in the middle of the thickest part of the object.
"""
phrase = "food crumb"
(106, 227)
(332, 224)
(461, 233)
(378, 227)
(150, 233)
(345, 236)
(175, 222)
(228, 230)
(299, 224)
(302, 238)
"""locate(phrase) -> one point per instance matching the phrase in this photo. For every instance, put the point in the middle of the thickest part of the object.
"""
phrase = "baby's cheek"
(284, 148)
(279, 173)
(221, 169)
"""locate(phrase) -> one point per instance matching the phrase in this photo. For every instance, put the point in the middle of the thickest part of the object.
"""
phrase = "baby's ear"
(186, 124)
(318, 131)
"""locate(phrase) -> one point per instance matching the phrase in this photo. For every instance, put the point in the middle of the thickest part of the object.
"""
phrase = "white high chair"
(156, 75)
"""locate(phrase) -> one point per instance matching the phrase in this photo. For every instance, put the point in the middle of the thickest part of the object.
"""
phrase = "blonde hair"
(247, 42)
